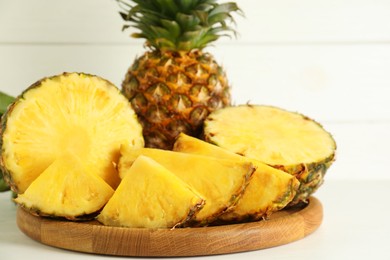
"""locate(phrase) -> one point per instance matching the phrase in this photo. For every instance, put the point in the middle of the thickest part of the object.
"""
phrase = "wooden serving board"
(92, 237)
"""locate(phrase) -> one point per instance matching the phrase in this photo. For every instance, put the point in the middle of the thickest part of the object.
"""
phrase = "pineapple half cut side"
(282, 139)
(220, 182)
(150, 196)
(268, 191)
(69, 113)
(67, 189)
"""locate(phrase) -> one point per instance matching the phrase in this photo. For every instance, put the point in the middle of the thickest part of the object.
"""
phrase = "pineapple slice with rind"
(74, 112)
(268, 191)
(68, 189)
(282, 139)
(221, 182)
(150, 196)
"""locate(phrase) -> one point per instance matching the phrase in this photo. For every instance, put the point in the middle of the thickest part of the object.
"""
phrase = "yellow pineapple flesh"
(282, 139)
(268, 191)
(220, 182)
(68, 189)
(69, 113)
(150, 196)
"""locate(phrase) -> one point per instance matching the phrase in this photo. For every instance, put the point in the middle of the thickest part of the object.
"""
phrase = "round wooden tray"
(281, 228)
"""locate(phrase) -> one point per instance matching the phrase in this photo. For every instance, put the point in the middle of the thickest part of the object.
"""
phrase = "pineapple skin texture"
(310, 175)
(174, 92)
(7, 175)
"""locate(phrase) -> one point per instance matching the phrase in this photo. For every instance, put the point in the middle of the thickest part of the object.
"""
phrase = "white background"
(328, 59)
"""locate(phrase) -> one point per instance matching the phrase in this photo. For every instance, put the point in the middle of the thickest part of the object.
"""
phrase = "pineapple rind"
(174, 92)
(311, 177)
(309, 170)
(220, 182)
(7, 175)
(268, 191)
(150, 196)
(241, 215)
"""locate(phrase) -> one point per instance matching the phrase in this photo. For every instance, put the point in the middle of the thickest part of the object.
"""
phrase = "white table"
(355, 226)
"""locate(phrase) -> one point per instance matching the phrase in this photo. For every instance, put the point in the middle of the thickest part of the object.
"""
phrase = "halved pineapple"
(77, 113)
(284, 140)
(220, 182)
(268, 191)
(150, 196)
(68, 189)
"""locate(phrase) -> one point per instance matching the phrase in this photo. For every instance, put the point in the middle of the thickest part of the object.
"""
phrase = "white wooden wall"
(328, 59)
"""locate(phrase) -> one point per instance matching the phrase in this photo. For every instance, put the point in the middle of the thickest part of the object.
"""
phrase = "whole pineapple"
(175, 84)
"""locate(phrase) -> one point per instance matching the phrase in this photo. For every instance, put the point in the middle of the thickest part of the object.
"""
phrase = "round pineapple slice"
(70, 113)
(285, 140)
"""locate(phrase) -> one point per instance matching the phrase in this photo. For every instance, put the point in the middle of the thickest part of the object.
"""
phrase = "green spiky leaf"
(5, 101)
(179, 25)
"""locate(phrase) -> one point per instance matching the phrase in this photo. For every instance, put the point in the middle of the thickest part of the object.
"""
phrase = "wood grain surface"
(91, 237)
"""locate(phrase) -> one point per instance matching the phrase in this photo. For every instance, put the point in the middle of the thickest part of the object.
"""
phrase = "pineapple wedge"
(150, 196)
(282, 139)
(72, 112)
(68, 189)
(221, 182)
(268, 191)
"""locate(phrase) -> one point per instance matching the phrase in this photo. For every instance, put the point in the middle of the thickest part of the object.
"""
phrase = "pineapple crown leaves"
(179, 25)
